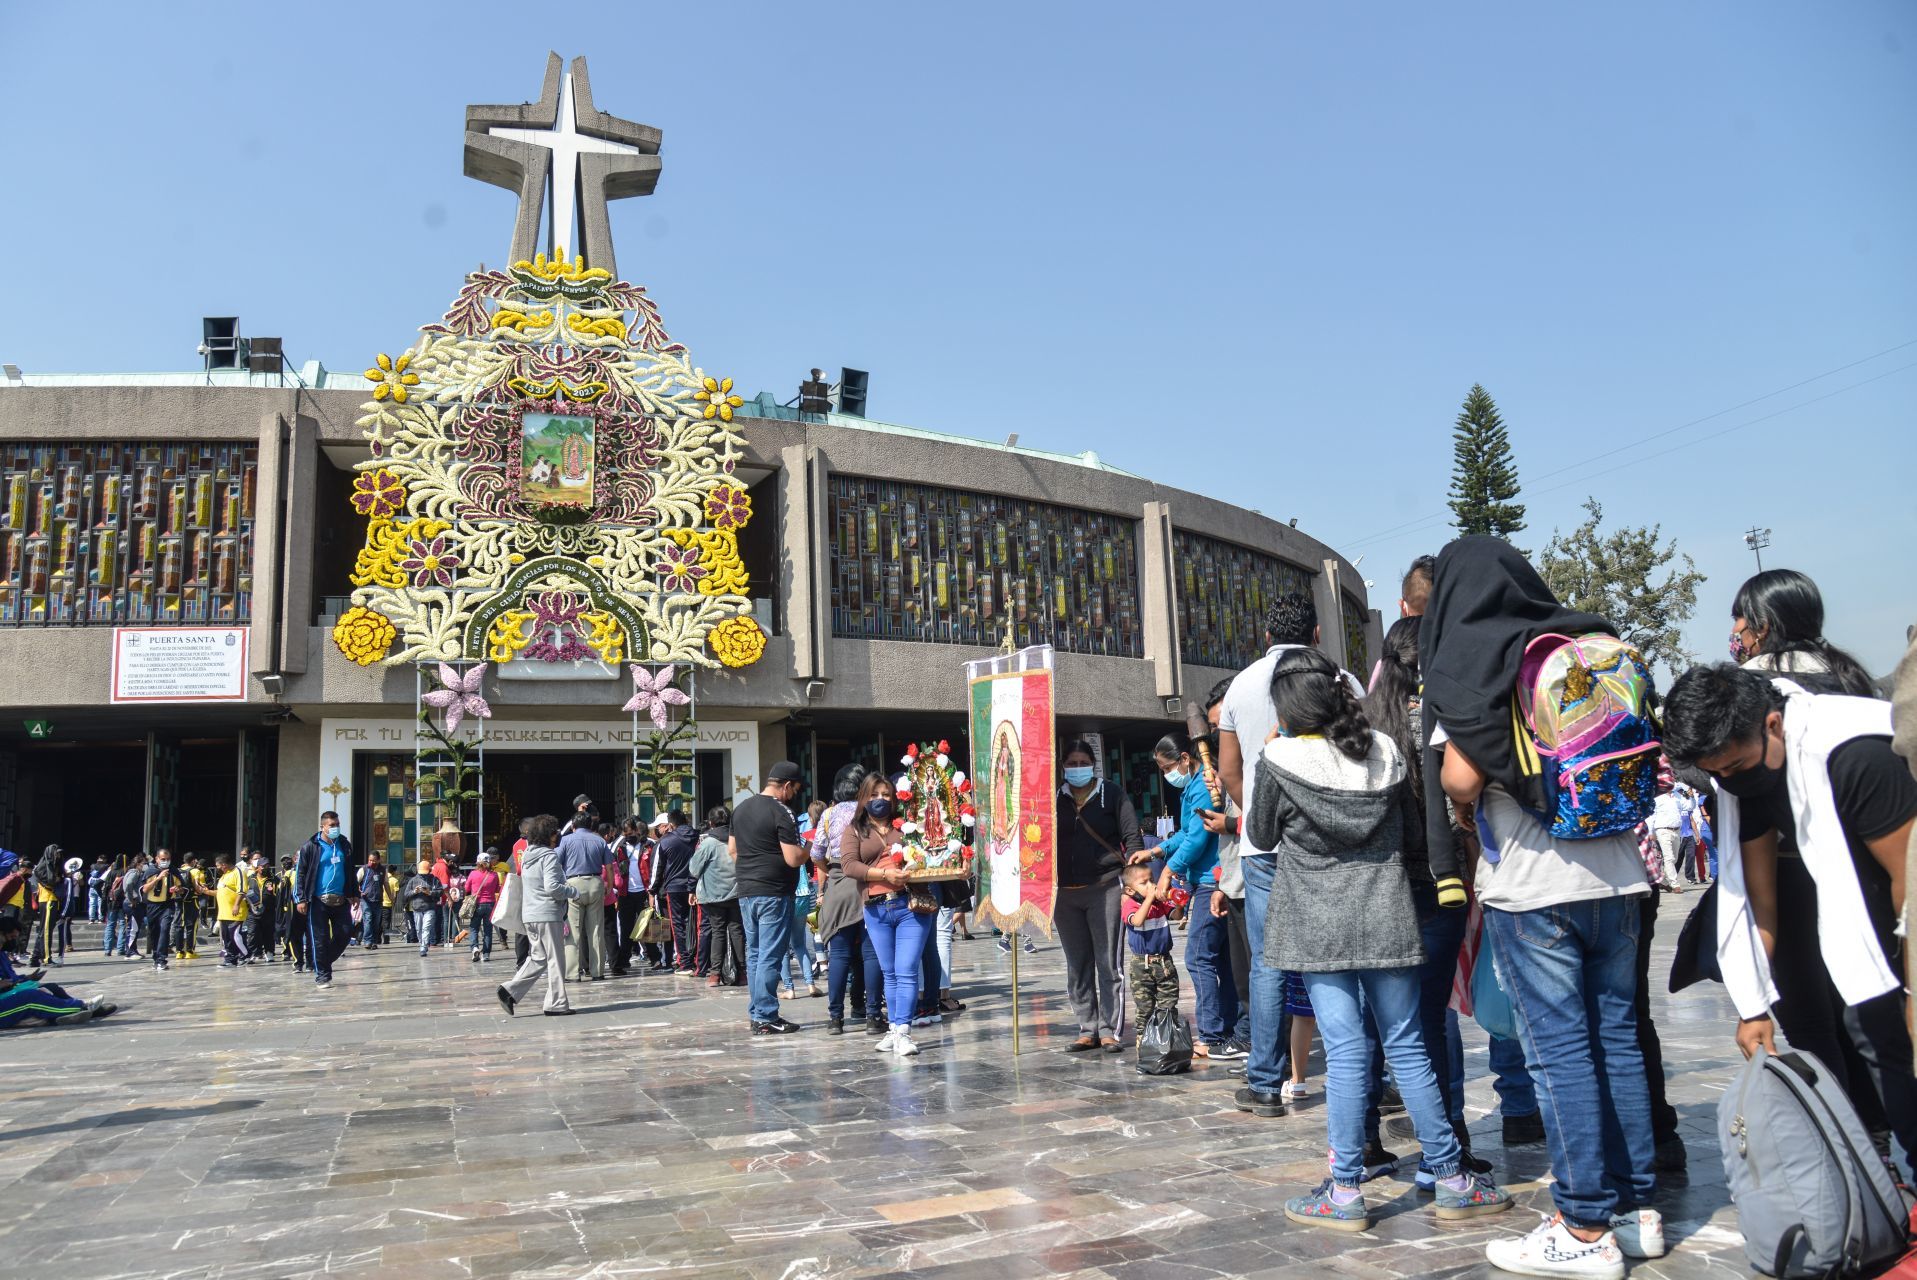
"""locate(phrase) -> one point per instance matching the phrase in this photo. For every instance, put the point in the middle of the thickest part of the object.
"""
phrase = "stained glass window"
(1356, 656)
(105, 534)
(1223, 593)
(919, 562)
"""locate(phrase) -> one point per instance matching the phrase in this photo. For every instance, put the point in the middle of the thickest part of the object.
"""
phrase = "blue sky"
(1258, 251)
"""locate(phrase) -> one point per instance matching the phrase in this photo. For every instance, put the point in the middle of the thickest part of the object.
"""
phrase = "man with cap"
(582, 860)
(765, 848)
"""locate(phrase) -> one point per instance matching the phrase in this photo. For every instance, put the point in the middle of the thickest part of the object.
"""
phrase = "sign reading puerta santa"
(1014, 789)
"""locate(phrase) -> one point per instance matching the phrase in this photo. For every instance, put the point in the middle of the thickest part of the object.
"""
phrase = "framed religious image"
(556, 460)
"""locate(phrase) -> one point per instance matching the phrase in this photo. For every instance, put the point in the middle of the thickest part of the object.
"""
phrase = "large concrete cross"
(564, 159)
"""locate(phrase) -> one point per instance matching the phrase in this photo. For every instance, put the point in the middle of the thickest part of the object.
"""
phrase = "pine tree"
(1484, 478)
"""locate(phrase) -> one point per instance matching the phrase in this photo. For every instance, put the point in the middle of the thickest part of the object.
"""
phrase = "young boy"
(230, 898)
(1150, 970)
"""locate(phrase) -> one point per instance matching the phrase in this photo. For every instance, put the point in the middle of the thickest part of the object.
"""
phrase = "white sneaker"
(1551, 1250)
(903, 1046)
(1291, 1091)
(886, 1042)
(927, 1019)
(1639, 1234)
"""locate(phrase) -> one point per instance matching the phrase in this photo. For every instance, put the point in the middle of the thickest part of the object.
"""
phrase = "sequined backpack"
(1583, 724)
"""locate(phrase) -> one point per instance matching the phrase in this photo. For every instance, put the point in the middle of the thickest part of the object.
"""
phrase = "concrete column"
(1330, 602)
(1159, 598)
(263, 640)
(298, 802)
(799, 496)
(296, 558)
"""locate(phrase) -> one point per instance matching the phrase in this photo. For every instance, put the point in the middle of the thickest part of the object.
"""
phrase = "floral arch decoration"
(550, 480)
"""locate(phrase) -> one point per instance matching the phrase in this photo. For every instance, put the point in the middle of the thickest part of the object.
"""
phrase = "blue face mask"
(879, 808)
(1078, 775)
(1178, 778)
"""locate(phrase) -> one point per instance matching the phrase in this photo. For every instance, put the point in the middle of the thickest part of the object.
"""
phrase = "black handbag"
(1696, 958)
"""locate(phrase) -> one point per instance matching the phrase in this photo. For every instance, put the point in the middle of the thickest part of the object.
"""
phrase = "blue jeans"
(898, 935)
(1571, 971)
(1390, 997)
(1208, 960)
(1442, 929)
(483, 928)
(799, 946)
(1269, 1065)
(849, 955)
(767, 920)
(425, 924)
(112, 931)
(1517, 1095)
(369, 924)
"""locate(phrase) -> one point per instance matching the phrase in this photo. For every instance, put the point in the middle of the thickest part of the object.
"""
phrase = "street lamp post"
(1757, 539)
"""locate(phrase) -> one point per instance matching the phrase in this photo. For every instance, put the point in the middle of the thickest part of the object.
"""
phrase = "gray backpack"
(1813, 1197)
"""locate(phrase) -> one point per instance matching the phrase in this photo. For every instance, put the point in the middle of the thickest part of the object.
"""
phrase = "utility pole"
(1757, 539)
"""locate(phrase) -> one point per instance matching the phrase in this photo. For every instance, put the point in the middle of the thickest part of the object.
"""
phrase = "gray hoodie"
(1339, 896)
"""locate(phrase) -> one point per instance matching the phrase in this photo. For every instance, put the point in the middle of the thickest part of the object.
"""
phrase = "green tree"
(1484, 478)
(1617, 574)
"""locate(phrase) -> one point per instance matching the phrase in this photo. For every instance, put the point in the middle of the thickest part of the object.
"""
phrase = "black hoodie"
(1487, 604)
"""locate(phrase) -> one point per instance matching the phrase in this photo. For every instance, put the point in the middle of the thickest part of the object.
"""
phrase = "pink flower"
(651, 694)
(460, 696)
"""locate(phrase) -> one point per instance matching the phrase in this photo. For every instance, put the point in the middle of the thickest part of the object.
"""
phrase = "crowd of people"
(1346, 853)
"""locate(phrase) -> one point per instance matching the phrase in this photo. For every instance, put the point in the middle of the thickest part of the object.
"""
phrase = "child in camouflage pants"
(1149, 967)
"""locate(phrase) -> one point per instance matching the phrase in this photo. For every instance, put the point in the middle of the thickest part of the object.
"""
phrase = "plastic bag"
(506, 910)
(1164, 1045)
(1490, 1005)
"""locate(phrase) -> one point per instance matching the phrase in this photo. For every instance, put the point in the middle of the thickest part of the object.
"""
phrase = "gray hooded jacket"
(1339, 896)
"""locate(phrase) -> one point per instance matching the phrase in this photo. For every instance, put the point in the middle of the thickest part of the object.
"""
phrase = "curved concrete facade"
(307, 439)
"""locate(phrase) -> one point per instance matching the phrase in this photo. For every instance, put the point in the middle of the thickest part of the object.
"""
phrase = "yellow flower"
(718, 398)
(363, 635)
(392, 378)
(738, 641)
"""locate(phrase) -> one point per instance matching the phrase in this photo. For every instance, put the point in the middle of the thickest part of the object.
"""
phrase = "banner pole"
(1014, 936)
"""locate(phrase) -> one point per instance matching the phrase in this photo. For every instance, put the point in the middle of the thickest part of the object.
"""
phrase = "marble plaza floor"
(242, 1124)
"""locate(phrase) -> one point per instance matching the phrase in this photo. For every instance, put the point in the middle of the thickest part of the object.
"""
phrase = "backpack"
(158, 887)
(1583, 727)
(1813, 1197)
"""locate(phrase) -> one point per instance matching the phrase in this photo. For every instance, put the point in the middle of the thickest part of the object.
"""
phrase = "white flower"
(957, 778)
(944, 760)
(905, 761)
(898, 848)
(910, 828)
(952, 846)
(969, 820)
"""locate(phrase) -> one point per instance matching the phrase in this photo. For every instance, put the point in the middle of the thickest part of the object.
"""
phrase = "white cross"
(567, 144)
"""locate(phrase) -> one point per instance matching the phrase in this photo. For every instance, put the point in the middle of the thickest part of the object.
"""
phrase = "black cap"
(582, 801)
(784, 771)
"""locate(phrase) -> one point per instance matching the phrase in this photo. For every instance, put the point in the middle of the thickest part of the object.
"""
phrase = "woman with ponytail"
(1395, 708)
(1777, 627)
(1334, 798)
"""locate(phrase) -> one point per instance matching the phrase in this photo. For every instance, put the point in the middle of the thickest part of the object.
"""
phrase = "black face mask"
(1750, 784)
(879, 808)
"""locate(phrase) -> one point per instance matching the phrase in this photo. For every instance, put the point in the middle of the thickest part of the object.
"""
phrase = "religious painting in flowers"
(551, 480)
(555, 460)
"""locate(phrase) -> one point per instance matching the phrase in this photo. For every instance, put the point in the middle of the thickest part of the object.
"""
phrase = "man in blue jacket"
(326, 886)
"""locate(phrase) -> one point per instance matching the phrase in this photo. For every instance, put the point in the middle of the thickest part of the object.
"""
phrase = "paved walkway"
(243, 1124)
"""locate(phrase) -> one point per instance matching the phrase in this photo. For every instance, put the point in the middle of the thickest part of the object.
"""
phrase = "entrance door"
(520, 784)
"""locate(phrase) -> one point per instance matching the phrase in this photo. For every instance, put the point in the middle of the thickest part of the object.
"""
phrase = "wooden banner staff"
(1198, 726)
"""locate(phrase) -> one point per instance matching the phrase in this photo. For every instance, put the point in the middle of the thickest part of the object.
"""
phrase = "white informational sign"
(179, 664)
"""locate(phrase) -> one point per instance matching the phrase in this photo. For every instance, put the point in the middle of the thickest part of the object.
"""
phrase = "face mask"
(879, 808)
(1749, 784)
(164, 865)
(1078, 775)
(1178, 778)
(1739, 651)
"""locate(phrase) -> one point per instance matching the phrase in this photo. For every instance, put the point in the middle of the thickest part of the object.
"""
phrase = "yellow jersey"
(231, 894)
